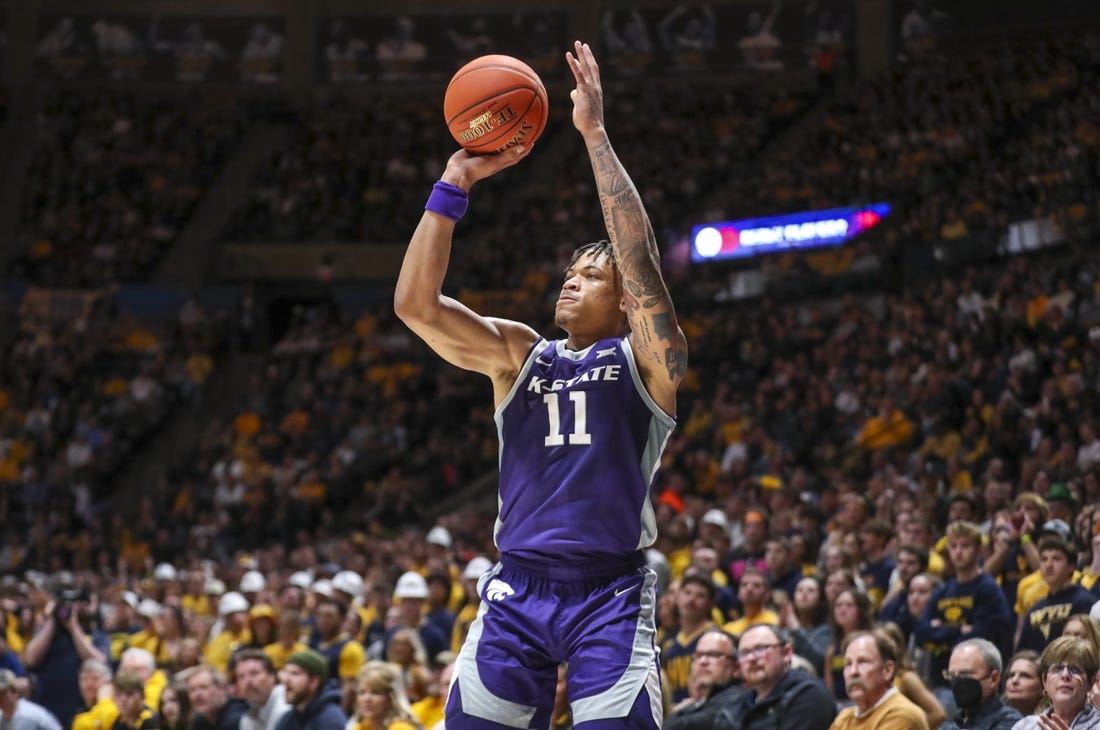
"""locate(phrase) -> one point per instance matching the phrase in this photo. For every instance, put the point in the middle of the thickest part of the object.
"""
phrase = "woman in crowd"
(175, 708)
(1068, 667)
(380, 701)
(851, 612)
(1084, 627)
(172, 631)
(1023, 684)
(806, 616)
(407, 652)
(837, 581)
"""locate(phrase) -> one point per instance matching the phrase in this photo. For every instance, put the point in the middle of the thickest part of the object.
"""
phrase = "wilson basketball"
(495, 102)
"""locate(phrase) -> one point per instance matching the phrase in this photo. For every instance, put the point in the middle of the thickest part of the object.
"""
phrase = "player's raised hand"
(588, 96)
(464, 169)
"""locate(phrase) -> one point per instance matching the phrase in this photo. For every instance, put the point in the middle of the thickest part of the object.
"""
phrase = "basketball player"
(582, 422)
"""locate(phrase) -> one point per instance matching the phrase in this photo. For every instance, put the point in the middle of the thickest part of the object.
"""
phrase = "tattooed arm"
(659, 345)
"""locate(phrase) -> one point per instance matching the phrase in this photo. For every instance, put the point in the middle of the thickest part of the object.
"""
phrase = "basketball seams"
(490, 100)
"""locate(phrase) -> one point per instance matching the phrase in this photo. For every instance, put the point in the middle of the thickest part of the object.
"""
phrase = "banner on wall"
(769, 35)
(402, 47)
(155, 48)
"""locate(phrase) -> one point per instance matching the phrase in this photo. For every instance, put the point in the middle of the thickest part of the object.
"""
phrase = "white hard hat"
(214, 586)
(232, 602)
(476, 567)
(716, 517)
(322, 587)
(348, 581)
(300, 578)
(411, 585)
(252, 582)
(129, 598)
(439, 536)
(148, 608)
(165, 571)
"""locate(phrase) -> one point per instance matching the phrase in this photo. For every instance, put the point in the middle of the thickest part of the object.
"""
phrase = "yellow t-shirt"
(221, 647)
(279, 653)
(765, 616)
(428, 711)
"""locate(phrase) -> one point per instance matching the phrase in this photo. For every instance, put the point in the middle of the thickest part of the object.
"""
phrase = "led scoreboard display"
(792, 232)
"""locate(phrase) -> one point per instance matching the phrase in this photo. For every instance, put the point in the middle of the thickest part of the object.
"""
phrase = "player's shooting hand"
(588, 96)
(464, 169)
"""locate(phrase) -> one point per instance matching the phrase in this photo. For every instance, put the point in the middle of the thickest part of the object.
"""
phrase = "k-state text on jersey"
(602, 372)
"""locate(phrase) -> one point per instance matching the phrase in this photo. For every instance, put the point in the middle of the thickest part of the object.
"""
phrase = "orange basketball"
(495, 102)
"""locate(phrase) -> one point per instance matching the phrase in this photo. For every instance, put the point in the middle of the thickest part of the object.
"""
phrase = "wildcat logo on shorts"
(498, 590)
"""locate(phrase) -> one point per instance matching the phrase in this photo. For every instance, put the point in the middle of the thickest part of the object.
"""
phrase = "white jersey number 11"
(579, 437)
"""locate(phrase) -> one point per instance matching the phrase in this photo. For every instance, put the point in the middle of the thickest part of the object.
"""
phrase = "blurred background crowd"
(202, 489)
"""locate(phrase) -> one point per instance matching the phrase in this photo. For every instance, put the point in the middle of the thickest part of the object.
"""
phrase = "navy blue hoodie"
(323, 713)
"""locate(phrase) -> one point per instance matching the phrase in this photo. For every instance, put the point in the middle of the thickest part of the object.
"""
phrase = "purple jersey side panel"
(580, 443)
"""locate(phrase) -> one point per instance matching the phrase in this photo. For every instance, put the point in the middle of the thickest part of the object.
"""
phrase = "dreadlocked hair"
(603, 246)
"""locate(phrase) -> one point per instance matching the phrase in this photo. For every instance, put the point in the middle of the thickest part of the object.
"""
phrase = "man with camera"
(61, 643)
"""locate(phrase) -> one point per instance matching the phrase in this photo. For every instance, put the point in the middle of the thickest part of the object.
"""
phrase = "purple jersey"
(580, 443)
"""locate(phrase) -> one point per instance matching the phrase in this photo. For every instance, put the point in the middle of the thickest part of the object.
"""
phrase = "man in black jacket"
(714, 669)
(778, 697)
(974, 672)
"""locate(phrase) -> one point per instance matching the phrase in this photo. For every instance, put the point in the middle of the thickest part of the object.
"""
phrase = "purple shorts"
(534, 617)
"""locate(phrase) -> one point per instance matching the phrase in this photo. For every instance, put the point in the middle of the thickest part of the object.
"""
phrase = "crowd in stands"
(352, 172)
(920, 462)
(83, 385)
(115, 176)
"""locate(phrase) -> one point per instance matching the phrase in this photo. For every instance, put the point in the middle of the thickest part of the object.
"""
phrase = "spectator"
(288, 641)
(975, 678)
(314, 705)
(260, 688)
(1047, 618)
(968, 605)
(411, 593)
(139, 662)
(175, 708)
(233, 610)
(1023, 683)
(381, 702)
(753, 593)
(1067, 665)
(694, 605)
(60, 645)
(869, 665)
(806, 618)
(850, 614)
(99, 709)
(18, 713)
(714, 673)
(345, 655)
(471, 575)
(133, 714)
(908, 681)
(211, 706)
(778, 696)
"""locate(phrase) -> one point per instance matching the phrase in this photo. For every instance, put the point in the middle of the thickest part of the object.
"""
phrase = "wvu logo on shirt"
(952, 608)
(498, 590)
(1042, 618)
